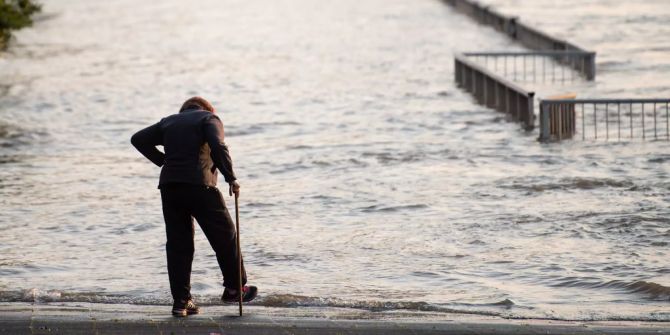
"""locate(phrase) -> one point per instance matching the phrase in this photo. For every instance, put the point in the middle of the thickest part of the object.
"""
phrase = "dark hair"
(196, 102)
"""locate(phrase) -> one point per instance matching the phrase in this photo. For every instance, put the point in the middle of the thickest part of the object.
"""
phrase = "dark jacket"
(194, 148)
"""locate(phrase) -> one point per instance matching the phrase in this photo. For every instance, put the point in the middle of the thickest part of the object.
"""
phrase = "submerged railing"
(498, 92)
(526, 35)
(536, 66)
(560, 118)
(608, 119)
(494, 91)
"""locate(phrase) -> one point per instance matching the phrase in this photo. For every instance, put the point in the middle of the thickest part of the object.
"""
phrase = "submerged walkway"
(83, 318)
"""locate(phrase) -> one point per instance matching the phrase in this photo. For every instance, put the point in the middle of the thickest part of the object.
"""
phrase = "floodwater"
(368, 179)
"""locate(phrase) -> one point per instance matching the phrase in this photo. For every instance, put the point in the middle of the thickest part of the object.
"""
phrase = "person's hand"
(234, 187)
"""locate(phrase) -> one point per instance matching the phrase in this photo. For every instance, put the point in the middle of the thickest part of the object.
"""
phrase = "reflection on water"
(368, 180)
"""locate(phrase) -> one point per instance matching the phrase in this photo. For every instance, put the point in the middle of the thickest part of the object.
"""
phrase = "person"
(194, 148)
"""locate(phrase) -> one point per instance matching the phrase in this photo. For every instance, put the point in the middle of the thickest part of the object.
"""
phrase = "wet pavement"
(84, 318)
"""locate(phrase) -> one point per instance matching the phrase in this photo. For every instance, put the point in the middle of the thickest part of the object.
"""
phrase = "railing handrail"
(461, 58)
(525, 34)
(508, 20)
(547, 37)
(603, 101)
(530, 53)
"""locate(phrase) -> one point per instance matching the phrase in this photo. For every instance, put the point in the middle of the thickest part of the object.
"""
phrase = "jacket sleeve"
(213, 131)
(146, 140)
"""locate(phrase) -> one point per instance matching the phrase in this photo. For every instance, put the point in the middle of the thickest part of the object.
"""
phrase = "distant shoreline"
(15, 15)
(80, 318)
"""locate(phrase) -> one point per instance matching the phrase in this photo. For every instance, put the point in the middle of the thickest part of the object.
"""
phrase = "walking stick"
(239, 249)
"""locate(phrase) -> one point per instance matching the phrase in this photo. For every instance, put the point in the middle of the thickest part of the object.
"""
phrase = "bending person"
(194, 149)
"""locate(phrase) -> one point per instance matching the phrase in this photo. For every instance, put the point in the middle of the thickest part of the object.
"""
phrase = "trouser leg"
(179, 246)
(215, 221)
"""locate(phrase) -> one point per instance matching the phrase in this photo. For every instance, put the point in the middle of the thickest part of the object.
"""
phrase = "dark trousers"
(182, 203)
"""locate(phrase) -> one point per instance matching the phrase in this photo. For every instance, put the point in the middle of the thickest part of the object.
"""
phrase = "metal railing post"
(545, 135)
(530, 116)
(457, 71)
(591, 68)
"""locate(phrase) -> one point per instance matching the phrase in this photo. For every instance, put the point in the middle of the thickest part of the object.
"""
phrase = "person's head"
(196, 103)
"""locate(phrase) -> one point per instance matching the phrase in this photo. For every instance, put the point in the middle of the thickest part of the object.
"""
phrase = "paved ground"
(82, 318)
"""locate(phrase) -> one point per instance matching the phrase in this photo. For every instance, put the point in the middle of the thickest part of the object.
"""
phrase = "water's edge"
(505, 309)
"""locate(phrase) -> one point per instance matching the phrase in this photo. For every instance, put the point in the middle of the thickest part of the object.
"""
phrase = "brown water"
(369, 180)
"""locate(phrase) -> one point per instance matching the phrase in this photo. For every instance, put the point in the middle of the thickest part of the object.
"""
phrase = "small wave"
(427, 96)
(295, 301)
(506, 303)
(390, 158)
(4, 89)
(641, 221)
(299, 147)
(13, 135)
(291, 167)
(46, 296)
(659, 159)
(252, 130)
(260, 127)
(10, 159)
(568, 184)
(259, 205)
(653, 291)
(391, 209)
(264, 257)
(143, 227)
(646, 19)
(41, 51)
(613, 65)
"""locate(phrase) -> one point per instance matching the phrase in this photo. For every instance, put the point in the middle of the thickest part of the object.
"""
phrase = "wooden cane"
(239, 249)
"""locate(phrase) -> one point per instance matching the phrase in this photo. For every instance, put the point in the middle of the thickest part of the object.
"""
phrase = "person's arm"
(146, 140)
(213, 131)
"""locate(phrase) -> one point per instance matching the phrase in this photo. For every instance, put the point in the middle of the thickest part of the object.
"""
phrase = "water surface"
(368, 179)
